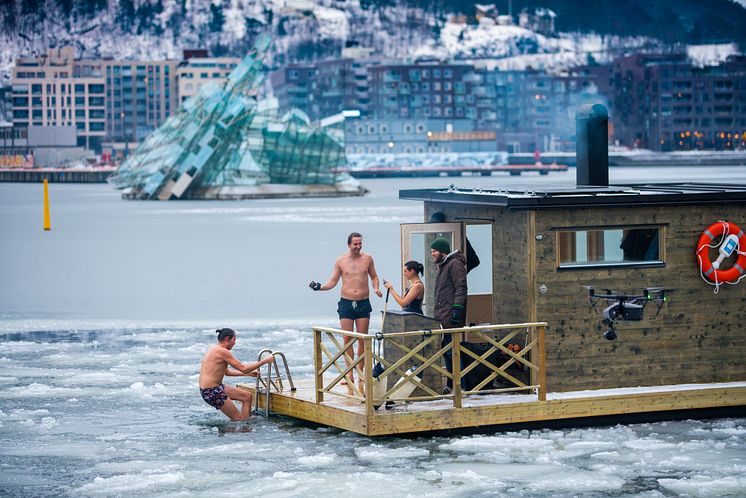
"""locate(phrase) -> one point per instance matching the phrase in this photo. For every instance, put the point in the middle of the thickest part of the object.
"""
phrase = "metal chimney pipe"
(592, 150)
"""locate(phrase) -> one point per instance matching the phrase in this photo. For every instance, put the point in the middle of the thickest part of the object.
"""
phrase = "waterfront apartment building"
(394, 135)
(58, 90)
(326, 87)
(663, 102)
(294, 86)
(195, 72)
(434, 91)
(535, 110)
(520, 110)
(106, 100)
(140, 96)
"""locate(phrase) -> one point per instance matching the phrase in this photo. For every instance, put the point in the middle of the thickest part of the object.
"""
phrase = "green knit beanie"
(441, 245)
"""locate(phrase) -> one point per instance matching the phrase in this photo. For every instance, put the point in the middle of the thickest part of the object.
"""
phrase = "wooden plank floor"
(498, 409)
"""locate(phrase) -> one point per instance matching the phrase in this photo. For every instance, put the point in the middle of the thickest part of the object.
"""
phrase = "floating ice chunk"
(377, 452)
(320, 460)
(706, 486)
(502, 444)
(649, 444)
(128, 483)
(592, 446)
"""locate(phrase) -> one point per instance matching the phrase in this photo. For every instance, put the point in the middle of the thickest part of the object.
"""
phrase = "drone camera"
(626, 307)
(610, 335)
(623, 311)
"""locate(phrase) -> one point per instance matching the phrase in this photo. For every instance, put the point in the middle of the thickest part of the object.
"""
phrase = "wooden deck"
(514, 356)
(497, 409)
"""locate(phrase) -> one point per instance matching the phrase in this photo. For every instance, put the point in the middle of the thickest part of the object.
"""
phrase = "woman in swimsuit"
(413, 296)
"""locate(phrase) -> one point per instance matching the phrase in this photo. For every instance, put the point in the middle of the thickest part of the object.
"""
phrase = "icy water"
(104, 320)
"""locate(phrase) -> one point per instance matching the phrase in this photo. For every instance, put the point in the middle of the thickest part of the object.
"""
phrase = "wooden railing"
(331, 367)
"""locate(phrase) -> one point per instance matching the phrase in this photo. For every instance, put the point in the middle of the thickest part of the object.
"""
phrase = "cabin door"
(415, 245)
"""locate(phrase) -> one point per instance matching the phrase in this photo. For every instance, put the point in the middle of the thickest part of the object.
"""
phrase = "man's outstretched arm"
(331, 283)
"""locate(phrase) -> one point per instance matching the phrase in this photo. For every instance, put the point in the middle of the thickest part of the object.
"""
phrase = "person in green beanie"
(450, 293)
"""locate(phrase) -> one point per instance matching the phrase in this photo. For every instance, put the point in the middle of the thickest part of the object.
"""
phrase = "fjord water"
(104, 319)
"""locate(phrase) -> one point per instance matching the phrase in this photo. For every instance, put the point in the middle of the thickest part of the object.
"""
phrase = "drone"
(625, 307)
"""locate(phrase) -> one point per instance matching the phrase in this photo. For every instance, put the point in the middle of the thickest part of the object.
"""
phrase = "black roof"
(543, 197)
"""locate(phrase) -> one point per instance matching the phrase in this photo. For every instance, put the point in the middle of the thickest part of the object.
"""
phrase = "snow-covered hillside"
(302, 30)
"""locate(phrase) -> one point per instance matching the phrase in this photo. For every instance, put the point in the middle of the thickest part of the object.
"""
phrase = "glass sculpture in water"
(226, 137)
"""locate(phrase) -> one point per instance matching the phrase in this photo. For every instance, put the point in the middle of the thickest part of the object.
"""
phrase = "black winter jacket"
(450, 289)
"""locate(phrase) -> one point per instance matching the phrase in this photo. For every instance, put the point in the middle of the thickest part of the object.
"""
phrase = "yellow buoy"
(47, 222)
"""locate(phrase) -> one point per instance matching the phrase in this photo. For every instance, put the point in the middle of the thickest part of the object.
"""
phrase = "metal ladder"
(265, 383)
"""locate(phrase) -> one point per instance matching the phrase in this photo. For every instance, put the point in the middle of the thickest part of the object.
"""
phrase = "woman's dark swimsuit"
(214, 396)
(415, 306)
(353, 310)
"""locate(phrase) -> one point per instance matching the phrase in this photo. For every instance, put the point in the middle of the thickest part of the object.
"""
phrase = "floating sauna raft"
(325, 401)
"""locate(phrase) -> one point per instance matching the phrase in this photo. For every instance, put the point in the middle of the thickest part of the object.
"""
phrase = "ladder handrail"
(268, 381)
(258, 381)
(287, 369)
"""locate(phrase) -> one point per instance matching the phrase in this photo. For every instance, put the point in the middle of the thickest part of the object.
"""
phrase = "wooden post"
(368, 366)
(542, 365)
(456, 363)
(318, 376)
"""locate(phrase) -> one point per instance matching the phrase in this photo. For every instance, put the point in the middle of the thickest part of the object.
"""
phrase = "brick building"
(663, 102)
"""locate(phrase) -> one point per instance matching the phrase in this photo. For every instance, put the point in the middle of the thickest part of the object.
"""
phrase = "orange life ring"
(732, 274)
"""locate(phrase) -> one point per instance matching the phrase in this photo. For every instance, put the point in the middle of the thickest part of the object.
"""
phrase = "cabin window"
(610, 246)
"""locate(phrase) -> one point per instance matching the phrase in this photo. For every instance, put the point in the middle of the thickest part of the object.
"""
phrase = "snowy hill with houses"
(306, 30)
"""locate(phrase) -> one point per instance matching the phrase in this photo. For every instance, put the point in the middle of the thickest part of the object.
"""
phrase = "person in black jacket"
(450, 293)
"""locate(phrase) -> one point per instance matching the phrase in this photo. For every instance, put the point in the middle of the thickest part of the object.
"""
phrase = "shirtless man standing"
(218, 362)
(354, 307)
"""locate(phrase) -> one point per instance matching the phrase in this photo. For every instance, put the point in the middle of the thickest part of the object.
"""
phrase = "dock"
(430, 171)
(323, 400)
(56, 175)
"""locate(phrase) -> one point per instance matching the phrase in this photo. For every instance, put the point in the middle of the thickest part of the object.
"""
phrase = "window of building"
(436, 73)
(96, 88)
(612, 246)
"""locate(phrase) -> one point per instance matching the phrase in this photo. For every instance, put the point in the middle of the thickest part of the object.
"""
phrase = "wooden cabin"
(540, 249)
